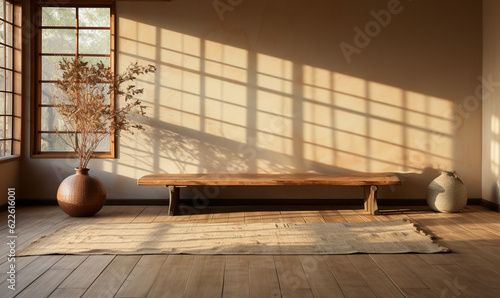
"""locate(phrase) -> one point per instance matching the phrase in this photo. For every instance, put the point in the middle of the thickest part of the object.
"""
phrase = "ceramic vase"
(447, 193)
(81, 194)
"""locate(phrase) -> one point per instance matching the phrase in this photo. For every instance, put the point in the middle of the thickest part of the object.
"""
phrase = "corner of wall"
(9, 179)
(491, 103)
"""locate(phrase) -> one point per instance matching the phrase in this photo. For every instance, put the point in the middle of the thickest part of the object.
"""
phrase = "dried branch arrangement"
(85, 104)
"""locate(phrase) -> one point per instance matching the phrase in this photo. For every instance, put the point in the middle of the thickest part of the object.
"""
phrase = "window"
(10, 79)
(67, 32)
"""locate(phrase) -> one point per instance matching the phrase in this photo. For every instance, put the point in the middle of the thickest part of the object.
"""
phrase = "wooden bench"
(370, 182)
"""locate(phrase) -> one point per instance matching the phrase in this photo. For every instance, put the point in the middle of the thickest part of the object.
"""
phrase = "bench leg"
(173, 206)
(371, 199)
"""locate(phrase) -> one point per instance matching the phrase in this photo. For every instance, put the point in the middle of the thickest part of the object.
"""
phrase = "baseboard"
(213, 202)
(490, 205)
(474, 201)
(150, 202)
(296, 202)
(53, 202)
(258, 202)
(36, 202)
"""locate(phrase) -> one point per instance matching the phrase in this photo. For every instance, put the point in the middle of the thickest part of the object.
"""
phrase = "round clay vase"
(447, 193)
(81, 194)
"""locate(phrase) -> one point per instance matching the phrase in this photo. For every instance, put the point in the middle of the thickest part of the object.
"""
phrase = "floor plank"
(108, 214)
(320, 277)
(271, 216)
(44, 285)
(376, 279)
(297, 293)
(83, 276)
(351, 216)
(332, 216)
(291, 275)
(434, 278)
(463, 283)
(237, 217)
(221, 217)
(263, 277)
(163, 216)
(28, 274)
(399, 273)
(237, 277)
(201, 218)
(140, 280)
(471, 247)
(290, 216)
(207, 277)
(148, 214)
(20, 263)
(253, 217)
(69, 262)
(128, 214)
(110, 280)
(350, 280)
(419, 293)
(173, 276)
(65, 293)
(312, 216)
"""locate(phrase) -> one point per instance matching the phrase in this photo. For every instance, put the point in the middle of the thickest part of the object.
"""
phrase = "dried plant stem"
(84, 103)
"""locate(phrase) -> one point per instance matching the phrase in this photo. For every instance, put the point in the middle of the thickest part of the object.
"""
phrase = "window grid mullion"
(38, 112)
(6, 21)
(77, 32)
(71, 27)
(4, 134)
(6, 45)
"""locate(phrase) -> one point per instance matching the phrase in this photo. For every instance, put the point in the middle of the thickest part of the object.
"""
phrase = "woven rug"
(251, 238)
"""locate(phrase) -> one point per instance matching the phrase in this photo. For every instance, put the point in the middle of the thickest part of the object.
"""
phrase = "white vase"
(447, 193)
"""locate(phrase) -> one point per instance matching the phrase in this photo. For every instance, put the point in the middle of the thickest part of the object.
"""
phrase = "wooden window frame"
(36, 131)
(16, 83)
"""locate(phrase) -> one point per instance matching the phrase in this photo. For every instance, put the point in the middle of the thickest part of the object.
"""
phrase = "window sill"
(71, 155)
(11, 158)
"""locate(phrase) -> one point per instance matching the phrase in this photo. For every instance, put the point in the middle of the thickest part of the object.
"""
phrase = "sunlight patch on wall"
(267, 114)
(137, 41)
(368, 126)
(274, 105)
(177, 42)
(385, 115)
(429, 131)
(225, 61)
(495, 145)
(495, 125)
(334, 123)
(225, 106)
(179, 79)
(274, 74)
(495, 162)
(318, 115)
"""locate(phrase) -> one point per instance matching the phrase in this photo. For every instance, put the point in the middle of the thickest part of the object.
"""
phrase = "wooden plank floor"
(471, 270)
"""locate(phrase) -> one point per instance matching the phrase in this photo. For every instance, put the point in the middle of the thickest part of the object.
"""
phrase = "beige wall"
(292, 86)
(491, 102)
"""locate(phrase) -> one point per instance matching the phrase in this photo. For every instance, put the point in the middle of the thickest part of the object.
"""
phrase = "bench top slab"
(352, 179)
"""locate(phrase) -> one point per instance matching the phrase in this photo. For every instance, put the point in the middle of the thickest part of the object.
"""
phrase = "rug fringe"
(418, 229)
